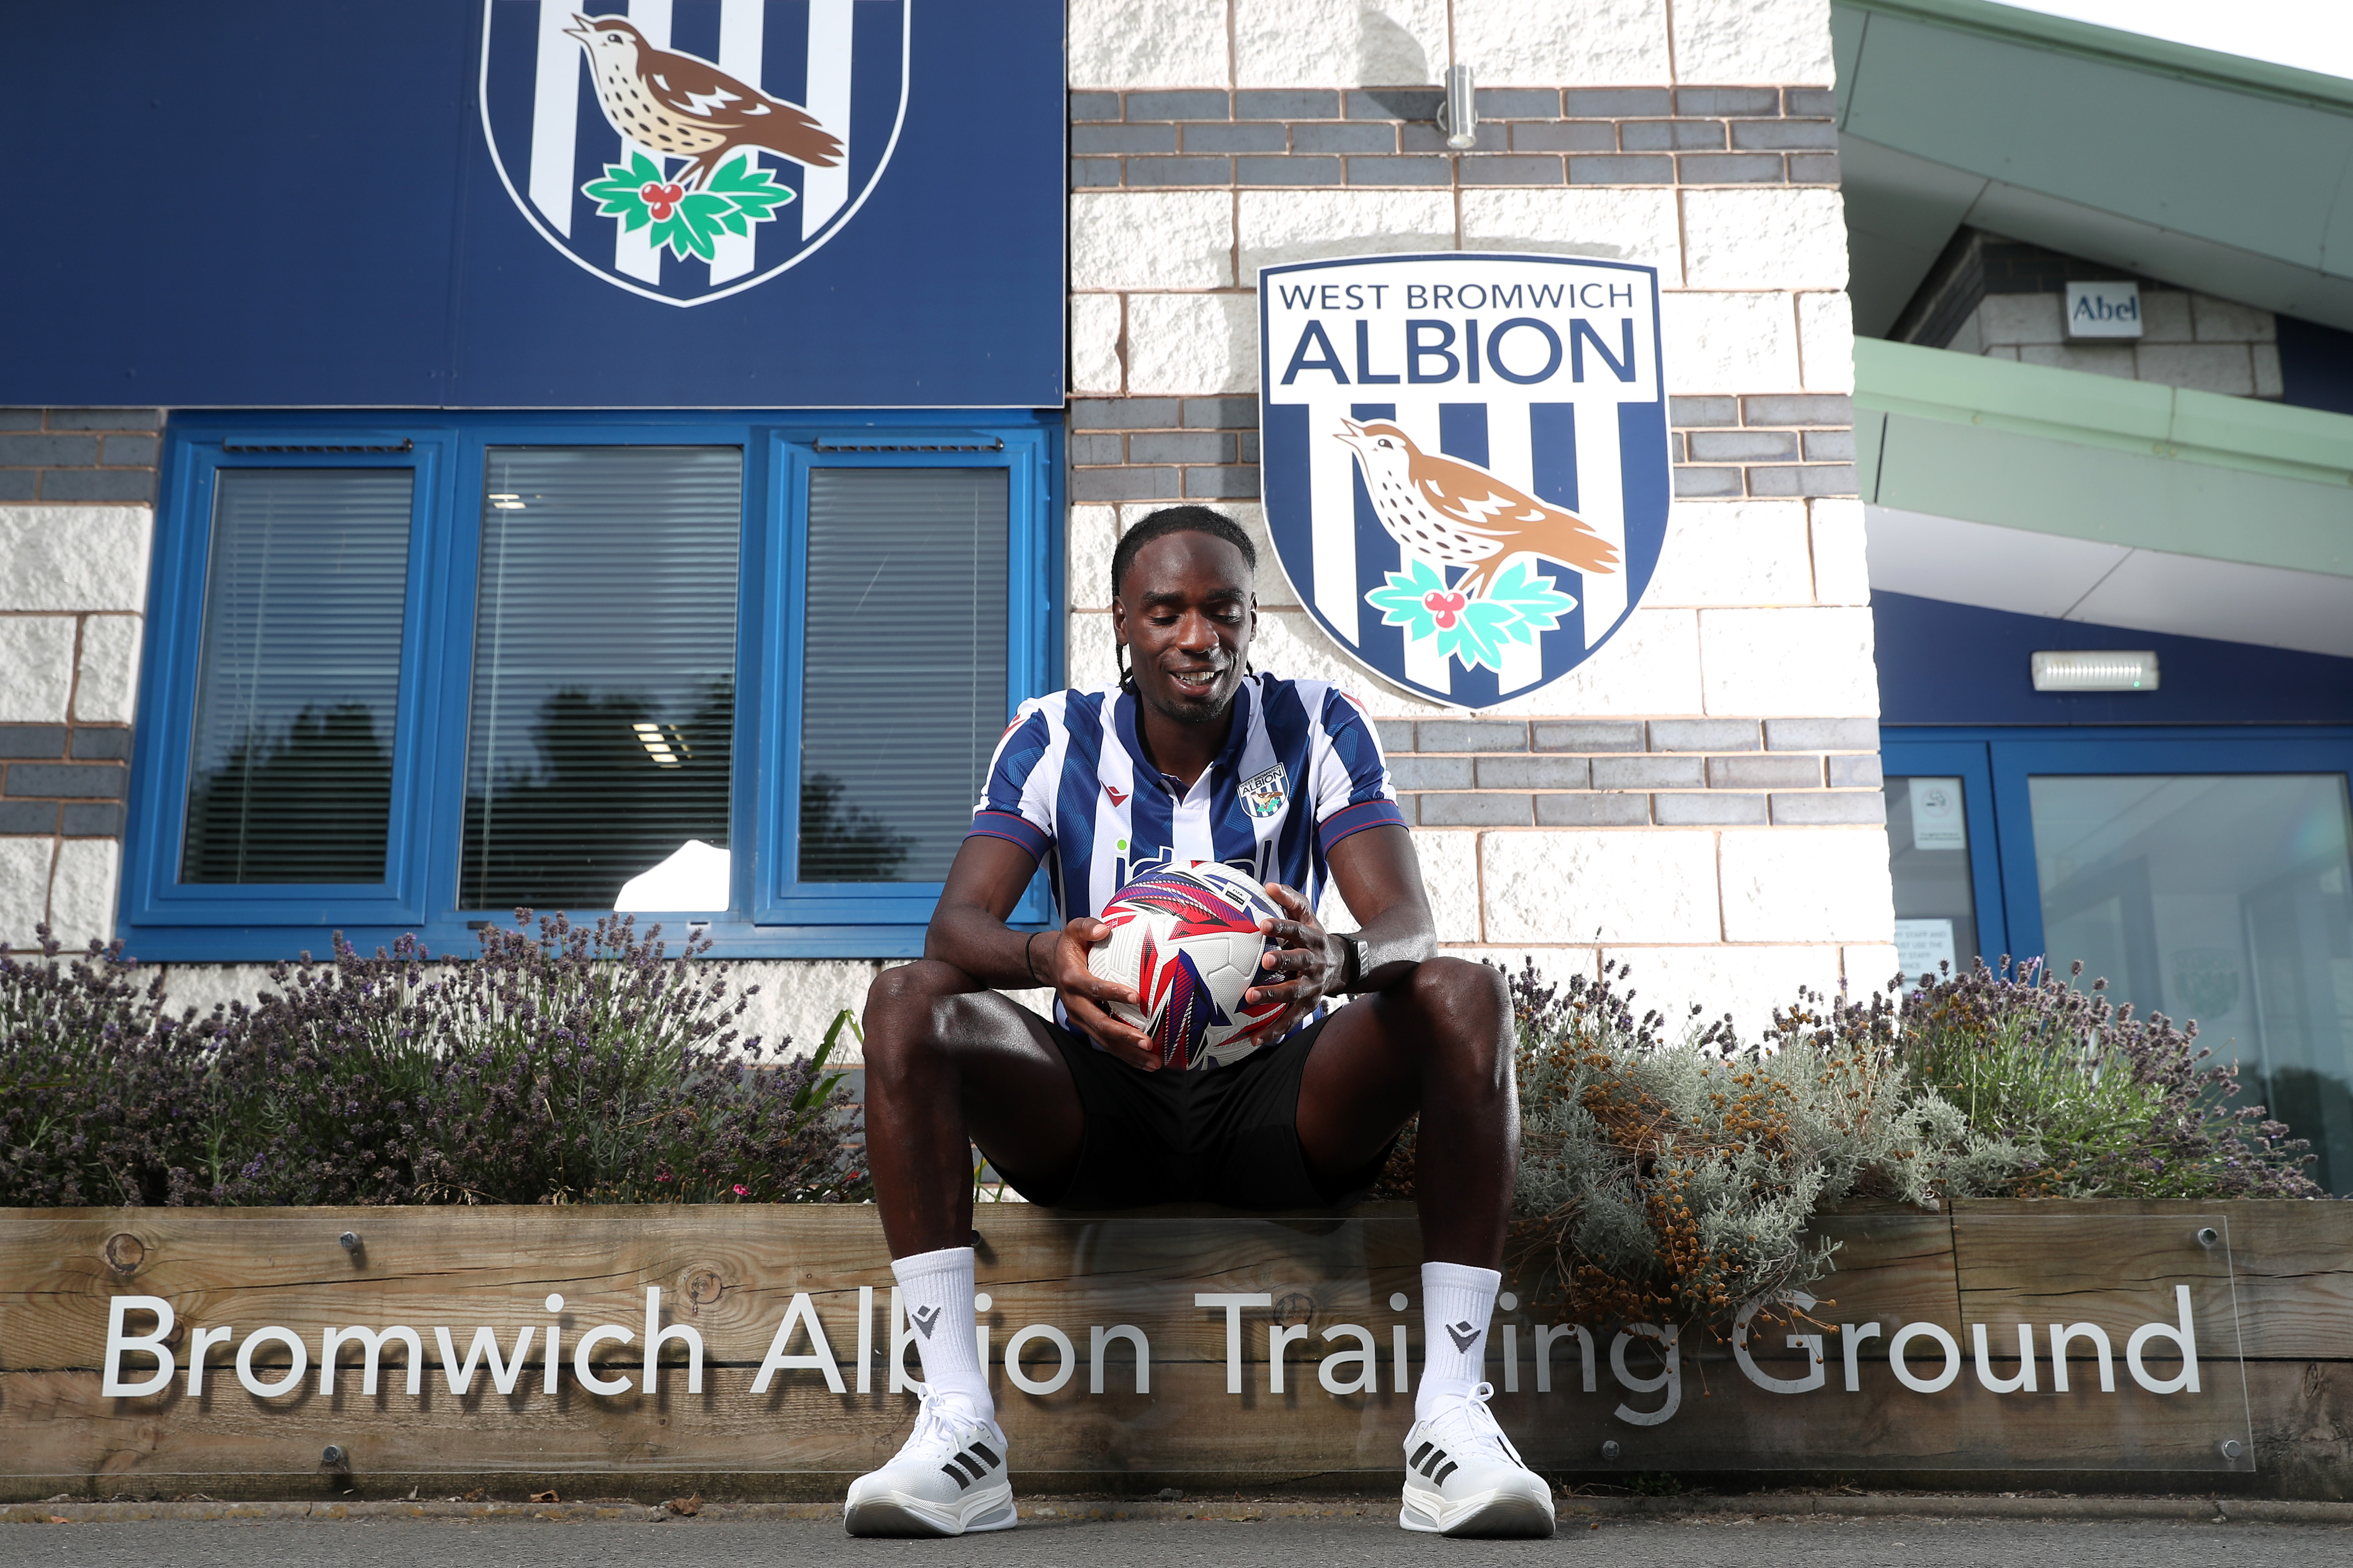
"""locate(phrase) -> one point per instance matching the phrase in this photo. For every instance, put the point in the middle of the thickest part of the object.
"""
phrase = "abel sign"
(1465, 460)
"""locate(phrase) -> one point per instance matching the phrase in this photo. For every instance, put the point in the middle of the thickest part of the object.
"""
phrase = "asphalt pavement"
(1692, 1543)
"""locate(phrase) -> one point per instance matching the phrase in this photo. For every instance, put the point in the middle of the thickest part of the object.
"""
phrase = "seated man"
(1098, 785)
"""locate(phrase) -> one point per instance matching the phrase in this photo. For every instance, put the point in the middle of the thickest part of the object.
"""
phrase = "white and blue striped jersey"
(1300, 771)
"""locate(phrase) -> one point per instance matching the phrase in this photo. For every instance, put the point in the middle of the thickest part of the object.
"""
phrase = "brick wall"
(2007, 299)
(1702, 797)
(76, 491)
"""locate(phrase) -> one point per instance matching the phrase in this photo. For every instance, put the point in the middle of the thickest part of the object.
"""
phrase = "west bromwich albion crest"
(1262, 795)
(1466, 459)
(688, 150)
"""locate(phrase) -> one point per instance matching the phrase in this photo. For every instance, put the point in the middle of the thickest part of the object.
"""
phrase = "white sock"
(937, 1287)
(1457, 1302)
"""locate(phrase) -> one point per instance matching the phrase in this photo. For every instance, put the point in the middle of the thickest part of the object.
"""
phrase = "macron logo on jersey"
(1118, 797)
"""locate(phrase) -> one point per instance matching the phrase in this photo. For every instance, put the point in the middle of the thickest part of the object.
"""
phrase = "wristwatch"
(1352, 969)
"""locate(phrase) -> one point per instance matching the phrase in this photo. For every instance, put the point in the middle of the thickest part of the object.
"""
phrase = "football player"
(1191, 756)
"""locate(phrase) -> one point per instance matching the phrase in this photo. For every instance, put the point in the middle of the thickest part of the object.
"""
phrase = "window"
(407, 675)
(298, 677)
(2204, 874)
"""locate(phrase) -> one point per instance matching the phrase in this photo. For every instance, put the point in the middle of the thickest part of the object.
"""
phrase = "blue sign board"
(551, 204)
(1466, 464)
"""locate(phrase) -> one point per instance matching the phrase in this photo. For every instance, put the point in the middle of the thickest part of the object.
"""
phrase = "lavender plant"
(101, 1095)
(2113, 1106)
(564, 1064)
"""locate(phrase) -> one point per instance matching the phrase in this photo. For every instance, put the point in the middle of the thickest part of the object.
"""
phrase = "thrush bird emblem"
(1501, 509)
(1458, 514)
(679, 105)
(686, 154)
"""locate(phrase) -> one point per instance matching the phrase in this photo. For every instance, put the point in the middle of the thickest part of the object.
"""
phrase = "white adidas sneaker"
(949, 1479)
(1463, 1477)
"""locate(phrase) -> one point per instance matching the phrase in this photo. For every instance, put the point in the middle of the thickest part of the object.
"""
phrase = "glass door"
(2206, 874)
(2224, 897)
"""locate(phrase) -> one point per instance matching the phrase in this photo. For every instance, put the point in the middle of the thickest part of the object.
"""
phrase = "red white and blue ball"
(1185, 936)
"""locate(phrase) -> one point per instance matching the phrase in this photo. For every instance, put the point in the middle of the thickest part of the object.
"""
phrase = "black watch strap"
(1352, 974)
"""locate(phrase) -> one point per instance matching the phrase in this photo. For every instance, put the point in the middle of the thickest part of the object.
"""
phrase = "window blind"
(903, 694)
(604, 698)
(298, 676)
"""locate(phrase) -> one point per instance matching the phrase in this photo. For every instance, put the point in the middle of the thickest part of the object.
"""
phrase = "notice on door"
(1936, 822)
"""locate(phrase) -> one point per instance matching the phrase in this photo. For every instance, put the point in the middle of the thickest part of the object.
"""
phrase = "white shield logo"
(688, 150)
(1465, 460)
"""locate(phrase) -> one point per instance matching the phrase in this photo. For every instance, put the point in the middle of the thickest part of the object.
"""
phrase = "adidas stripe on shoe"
(949, 1479)
(1463, 1478)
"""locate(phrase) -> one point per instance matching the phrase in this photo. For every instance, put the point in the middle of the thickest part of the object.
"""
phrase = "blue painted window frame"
(769, 915)
(1995, 761)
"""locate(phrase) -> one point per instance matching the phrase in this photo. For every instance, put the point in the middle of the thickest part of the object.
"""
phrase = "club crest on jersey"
(688, 150)
(1465, 460)
(1263, 796)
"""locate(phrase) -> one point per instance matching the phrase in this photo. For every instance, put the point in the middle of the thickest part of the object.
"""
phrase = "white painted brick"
(1841, 574)
(1747, 982)
(1789, 663)
(1290, 643)
(1826, 342)
(2011, 319)
(1338, 42)
(1280, 227)
(1651, 666)
(1593, 42)
(1610, 223)
(1734, 553)
(36, 665)
(1763, 237)
(1192, 344)
(1151, 239)
(1555, 966)
(799, 1000)
(1822, 884)
(1148, 43)
(2267, 370)
(1772, 41)
(2092, 358)
(2226, 368)
(204, 986)
(107, 689)
(2228, 322)
(24, 887)
(1095, 342)
(1273, 588)
(1088, 649)
(81, 896)
(1870, 967)
(1583, 887)
(74, 557)
(1721, 343)
(2165, 316)
(1092, 533)
(1450, 875)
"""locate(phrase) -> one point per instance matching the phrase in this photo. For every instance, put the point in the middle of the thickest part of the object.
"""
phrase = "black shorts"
(1221, 1135)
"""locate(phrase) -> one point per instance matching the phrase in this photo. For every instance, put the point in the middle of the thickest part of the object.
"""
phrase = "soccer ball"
(1185, 936)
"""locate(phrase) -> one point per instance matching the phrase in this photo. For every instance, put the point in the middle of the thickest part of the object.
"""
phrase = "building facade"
(1699, 799)
(486, 533)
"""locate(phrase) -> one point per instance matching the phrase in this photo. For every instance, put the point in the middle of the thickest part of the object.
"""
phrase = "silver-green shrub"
(1674, 1180)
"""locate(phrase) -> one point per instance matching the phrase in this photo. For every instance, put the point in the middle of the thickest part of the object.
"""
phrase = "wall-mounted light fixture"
(2095, 671)
(1459, 115)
